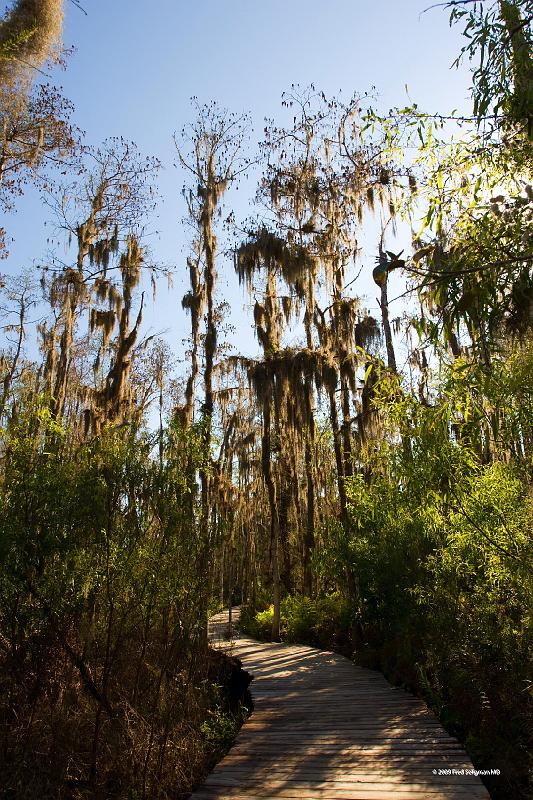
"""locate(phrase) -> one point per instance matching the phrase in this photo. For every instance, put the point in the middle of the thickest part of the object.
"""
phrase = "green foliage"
(320, 622)
(101, 604)
(499, 39)
(220, 728)
(478, 274)
(440, 546)
(258, 624)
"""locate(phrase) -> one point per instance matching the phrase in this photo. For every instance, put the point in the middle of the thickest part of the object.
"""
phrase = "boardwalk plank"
(324, 729)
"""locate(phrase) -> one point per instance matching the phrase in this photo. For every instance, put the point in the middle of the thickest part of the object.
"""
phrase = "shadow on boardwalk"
(324, 728)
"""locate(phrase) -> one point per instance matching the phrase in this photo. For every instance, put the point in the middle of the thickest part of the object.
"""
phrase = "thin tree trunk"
(284, 502)
(309, 537)
(195, 304)
(346, 428)
(334, 419)
(65, 347)
(209, 242)
(274, 522)
(384, 305)
(11, 373)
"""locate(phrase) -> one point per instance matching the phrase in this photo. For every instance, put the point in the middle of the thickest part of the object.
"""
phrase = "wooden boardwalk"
(324, 729)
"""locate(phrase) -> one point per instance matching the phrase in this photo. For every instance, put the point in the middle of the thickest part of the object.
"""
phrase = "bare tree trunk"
(194, 301)
(384, 305)
(274, 522)
(455, 347)
(334, 419)
(247, 566)
(8, 380)
(65, 348)
(346, 428)
(283, 515)
(309, 536)
(161, 448)
(230, 590)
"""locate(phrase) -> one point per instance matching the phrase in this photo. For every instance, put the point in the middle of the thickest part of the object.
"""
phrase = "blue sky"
(136, 68)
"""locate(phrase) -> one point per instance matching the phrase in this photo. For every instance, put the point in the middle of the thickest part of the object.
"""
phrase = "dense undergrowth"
(107, 688)
(439, 549)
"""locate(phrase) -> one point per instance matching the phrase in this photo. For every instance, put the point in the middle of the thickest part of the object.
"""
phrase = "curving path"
(324, 729)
